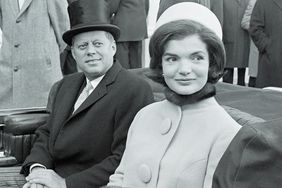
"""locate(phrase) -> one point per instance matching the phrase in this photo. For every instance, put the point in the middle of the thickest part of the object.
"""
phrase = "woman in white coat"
(178, 142)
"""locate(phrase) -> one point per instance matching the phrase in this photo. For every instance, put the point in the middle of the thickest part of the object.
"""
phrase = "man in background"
(30, 53)
(130, 16)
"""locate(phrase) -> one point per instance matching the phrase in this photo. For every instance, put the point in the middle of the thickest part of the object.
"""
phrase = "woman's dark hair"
(177, 30)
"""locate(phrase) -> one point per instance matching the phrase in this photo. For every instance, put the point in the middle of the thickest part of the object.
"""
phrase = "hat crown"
(88, 12)
(191, 11)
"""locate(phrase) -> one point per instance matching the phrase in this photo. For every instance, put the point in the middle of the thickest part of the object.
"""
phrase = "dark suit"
(86, 147)
(253, 159)
(130, 16)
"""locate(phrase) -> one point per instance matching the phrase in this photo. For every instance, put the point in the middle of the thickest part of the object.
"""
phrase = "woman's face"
(185, 65)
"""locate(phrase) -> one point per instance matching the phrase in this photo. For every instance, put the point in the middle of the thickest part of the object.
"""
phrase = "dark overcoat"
(265, 30)
(130, 16)
(236, 40)
(86, 146)
(253, 158)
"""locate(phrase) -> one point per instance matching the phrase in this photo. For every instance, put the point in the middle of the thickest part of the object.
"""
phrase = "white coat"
(169, 146)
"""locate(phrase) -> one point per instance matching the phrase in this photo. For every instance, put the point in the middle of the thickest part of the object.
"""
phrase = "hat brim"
(68, 35)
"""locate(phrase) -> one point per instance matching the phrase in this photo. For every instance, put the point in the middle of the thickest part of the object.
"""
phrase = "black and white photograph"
(140, 93)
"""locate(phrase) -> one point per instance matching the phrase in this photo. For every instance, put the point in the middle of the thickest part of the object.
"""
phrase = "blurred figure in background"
(265, 30)
(216, 6)
(253, 56)
(68, 64)
(236, 40)
(29, 60)
(130, 16)
(0, 38)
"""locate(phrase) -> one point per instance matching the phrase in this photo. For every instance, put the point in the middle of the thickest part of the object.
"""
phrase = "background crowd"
(249, 34)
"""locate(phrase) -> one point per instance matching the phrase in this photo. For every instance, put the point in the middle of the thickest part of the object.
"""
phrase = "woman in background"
(178, 142)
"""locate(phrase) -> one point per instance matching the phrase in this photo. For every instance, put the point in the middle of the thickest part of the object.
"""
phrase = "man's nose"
(91, 49)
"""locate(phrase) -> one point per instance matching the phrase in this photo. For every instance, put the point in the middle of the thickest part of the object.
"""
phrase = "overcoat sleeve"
(116, 179)
(41, 147)
(257, 26)
(245, 23)
(58, 14)
(253, 158)
(216, 152)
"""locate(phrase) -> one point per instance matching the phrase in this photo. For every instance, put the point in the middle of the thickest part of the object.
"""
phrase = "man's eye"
(98, 44)
(82, 46)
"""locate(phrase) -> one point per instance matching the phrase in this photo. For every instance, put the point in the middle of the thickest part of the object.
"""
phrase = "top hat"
(192, 11)
(89, 15)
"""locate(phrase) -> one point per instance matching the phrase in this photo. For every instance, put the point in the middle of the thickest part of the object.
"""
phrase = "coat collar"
(101, 89)
(278, 3)
(24, 7)
(71, 88)
(14, 7)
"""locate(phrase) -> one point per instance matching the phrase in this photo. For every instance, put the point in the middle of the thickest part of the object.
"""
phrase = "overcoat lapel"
(67, 96)
(101, 90)
(24, 7)
(14, 6)
(278, 3)
(70, 91)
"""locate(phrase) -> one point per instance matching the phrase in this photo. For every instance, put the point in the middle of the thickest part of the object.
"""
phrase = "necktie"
(83, 95)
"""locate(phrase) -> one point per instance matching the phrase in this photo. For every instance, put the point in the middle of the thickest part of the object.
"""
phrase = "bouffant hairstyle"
(177, 30)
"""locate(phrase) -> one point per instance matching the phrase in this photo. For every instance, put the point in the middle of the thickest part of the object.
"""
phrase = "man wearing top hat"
(82, 143)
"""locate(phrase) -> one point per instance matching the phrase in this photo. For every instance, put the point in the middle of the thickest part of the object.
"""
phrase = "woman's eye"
(198, 58)
(171, 59)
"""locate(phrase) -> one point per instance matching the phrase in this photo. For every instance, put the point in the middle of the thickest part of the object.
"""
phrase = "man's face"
(93, 52)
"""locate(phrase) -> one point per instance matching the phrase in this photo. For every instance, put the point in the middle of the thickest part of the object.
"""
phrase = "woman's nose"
(185, 67)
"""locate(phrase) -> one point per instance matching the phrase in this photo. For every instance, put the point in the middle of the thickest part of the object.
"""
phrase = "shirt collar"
(94, 82)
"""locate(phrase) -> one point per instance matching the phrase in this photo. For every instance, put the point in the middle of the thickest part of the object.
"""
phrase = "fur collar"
(207, 91)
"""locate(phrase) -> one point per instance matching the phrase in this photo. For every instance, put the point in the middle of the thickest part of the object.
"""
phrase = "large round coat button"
(145, 173)
(165, 126)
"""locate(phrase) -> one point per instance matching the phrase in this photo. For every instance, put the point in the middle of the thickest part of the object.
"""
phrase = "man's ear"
(114, 47)
(72, 52)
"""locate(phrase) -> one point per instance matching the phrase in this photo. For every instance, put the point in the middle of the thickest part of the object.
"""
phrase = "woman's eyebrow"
(169, 54)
